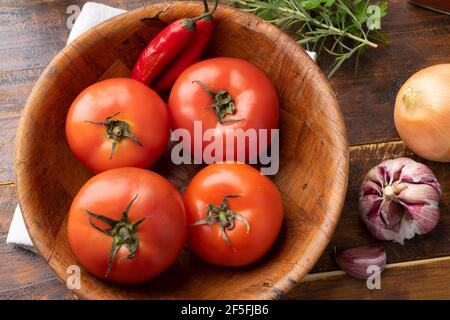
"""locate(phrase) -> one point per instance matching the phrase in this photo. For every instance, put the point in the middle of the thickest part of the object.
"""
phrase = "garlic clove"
(406, 229)
(418, 194)
(425, 217)
(376, 175)
(391, 213)
(419, 173)
(371, 188)
(394, 168)
(370, 205)
(356, 261)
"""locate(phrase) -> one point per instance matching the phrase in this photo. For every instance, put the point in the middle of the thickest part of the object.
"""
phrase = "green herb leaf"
(340, 28)
(311, 4)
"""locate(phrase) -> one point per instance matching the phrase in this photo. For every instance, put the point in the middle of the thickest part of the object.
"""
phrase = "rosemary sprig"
(336, 27)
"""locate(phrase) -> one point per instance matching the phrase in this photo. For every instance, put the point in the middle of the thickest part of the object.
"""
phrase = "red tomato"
(148, 237)
(234, 214)
(224, 93)
(117, 123)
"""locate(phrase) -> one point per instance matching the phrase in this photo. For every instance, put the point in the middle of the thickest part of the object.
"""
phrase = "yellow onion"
(422, 113)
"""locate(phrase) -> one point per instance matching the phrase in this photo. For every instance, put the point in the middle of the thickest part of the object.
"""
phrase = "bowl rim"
(298, 271)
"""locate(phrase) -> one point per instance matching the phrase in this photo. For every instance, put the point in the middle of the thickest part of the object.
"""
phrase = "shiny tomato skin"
(253, 93)
(139, 106)
(161, 235)
(259, 202)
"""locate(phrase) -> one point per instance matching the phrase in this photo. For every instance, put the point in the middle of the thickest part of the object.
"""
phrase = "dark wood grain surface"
(32, 32)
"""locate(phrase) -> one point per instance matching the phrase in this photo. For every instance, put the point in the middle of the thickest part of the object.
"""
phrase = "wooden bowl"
(313, 166)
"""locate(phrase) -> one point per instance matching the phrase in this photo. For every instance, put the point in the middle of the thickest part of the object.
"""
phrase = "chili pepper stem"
(189, 23)
(208, 13)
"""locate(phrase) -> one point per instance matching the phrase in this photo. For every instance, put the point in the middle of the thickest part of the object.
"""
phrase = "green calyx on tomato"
(116, 130)
(224, 217)
(122, 231)
(223, 103)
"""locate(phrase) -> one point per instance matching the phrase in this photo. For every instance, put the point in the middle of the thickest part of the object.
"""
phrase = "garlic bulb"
(356, 261)
(398, 199)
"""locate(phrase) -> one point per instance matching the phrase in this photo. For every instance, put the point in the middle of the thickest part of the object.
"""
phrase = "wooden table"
(33, 31)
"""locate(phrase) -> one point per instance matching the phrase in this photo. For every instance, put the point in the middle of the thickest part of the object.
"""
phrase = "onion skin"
(355, 261)
(422, 113)
(398, 199)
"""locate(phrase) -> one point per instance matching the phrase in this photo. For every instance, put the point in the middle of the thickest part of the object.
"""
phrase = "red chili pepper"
(189, 55)
(164, 48)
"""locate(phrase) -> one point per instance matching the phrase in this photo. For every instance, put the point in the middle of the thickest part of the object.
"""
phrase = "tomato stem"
(224, 217)
(122, 231)
(116, 130)
(223, 103)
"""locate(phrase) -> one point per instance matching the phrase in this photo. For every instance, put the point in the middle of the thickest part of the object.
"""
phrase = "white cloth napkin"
(90, 15)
